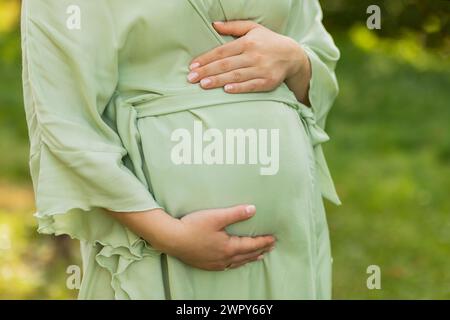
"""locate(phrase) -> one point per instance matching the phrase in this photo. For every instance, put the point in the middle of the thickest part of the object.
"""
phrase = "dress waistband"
(128, 111)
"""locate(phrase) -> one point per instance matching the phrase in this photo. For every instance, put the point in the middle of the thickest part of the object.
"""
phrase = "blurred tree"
(428, 19)
(9, 30)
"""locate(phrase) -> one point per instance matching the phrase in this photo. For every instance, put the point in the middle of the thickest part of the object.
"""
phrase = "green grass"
(13, 131)
(390, 159)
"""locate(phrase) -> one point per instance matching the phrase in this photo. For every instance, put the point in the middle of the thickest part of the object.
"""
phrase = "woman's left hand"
(258, 60)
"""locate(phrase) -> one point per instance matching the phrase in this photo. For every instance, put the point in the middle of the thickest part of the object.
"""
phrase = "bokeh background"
(389, 155)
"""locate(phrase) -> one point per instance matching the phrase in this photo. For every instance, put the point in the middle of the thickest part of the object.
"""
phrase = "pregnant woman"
(185, 155)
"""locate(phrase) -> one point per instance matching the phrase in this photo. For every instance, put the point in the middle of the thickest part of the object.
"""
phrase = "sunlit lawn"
(390, 158)
(31, 266)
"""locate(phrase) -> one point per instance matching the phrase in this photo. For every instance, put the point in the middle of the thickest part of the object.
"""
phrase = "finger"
(219, 66)
(252, 254)
(240, 264)
(242, 258)
(226, 216)
(228, 49)
(237, 265)
(251, 85)
(235, 76)
(243, 262)
(235, 28)
(244, 245)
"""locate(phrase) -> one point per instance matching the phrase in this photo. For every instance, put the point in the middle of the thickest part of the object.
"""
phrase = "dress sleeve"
(305, 26)
(70, 73)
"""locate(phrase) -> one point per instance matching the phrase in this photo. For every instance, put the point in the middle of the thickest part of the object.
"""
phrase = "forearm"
(298, 81)
(199, 238)
(155, 226)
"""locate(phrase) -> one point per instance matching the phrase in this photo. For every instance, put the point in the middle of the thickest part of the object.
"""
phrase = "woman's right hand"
(199, 238)
(203, 243)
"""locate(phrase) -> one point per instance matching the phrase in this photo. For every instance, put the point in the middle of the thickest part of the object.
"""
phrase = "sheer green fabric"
(101, 102)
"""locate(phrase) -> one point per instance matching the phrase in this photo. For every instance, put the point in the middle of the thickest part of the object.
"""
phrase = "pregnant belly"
(241, 153)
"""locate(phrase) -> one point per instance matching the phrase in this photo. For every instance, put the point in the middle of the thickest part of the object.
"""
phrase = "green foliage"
(33, 266)
(390, 159)
(427, 19)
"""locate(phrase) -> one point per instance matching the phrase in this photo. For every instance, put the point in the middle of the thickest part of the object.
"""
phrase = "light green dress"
(105, 88)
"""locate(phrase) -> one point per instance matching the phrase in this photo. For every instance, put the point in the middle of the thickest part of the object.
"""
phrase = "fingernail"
(251, 209)
(218, 22)
(228, 87)
(271, 248)
(260, 257)
(194, 65)
(192, 76)
(205, 82)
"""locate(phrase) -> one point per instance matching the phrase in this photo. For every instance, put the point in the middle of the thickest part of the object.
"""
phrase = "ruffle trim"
(120, 247)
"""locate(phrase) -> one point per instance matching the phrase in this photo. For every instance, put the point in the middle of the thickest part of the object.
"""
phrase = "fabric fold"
(319, 136)
(77, 162)
(120, 247)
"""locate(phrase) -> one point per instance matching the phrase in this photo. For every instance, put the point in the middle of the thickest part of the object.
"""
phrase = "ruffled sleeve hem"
(120, 248)
(73, 202)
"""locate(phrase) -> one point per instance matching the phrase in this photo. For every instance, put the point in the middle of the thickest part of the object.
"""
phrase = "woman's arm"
(199, 238)
(299, 80)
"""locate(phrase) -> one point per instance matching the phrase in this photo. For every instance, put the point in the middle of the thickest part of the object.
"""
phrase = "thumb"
(227, 216)
(235, 28)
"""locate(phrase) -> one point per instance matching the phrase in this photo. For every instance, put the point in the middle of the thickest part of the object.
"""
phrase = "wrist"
(299, 78)
(162, 230)
(299, 61)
